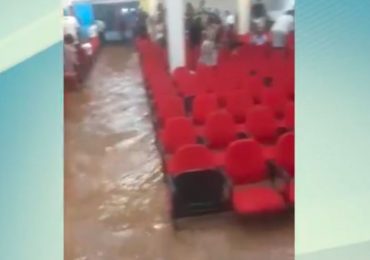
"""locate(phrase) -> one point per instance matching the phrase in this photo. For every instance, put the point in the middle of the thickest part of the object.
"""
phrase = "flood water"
(115, 199)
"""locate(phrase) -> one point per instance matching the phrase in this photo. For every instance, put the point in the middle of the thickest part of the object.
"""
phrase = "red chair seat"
(191, 157)
(178, 131)
(169, 107)
(257, 200)
(219, 157)
(203, 106)
(262, 124)
(220, 129)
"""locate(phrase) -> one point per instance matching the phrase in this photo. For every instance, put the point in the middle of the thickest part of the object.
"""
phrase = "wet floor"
(115, 199)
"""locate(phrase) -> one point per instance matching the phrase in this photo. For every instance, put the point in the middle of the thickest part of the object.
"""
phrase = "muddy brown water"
(115, 199)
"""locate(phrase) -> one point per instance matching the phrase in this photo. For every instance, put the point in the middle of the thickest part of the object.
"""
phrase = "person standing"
(71, 25)
(189, 16)
(195, 32)
(259, 37)
(208, 52)
(70, 55)
(160, 31)
(259, 14)
(141, 25)
(202, 6)
(229, 19)
(101, 28)
(281, 28)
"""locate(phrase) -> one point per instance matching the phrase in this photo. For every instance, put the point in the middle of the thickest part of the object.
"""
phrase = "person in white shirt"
(208, 51)
(202, 6)
(281, 28)
(71, 26)
(229, 19)
(159, 31)
(70, 55)
(259, 38)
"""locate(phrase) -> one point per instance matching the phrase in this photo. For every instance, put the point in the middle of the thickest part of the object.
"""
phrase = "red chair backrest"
(205, 78)
(181, 75)
(289, 115)
(178, 132)
(203, 105)
(192, 157)
(261, 123)
(275, 99)
(171, 106)
(255, 87)
(220, 129)
(285, 153)
(245, 163)
(238, 102)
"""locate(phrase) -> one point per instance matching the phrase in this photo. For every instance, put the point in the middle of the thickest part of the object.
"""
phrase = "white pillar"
(244, 10)
(175, 22)
(152, 6)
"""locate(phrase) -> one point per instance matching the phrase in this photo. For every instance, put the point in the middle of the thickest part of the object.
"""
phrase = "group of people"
(74, 43)
(205, 29)
(210, 30)
(71, 43)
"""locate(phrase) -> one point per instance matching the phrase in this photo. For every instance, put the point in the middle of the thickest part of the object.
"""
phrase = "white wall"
(222, 5)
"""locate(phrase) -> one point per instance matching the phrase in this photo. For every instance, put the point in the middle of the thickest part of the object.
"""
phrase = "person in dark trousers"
(195, 32)
(141, 29)
(189, 15)
(258, 9)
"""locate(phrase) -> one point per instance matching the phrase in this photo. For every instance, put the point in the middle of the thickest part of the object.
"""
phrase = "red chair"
(186, 82)
(191, 157)
(205, 78)
(178, 132)
(223, 56)
(245, 164)
(238, 102)
(291, 41)
(181, 75)
(275, 99)
(285, 153)
(220, 129)
(261, 124)
(285, 159)
(95, 43)
(289, 115)
(162, 87)
(171, 106)
(286, 83)
(290, 192)
(222, 86)
(203, 105)
(289, 84)
(254, 85)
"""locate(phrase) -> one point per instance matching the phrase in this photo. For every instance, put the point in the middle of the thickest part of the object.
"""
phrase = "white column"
(175, 23)
(152, 5)
(244, 10)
